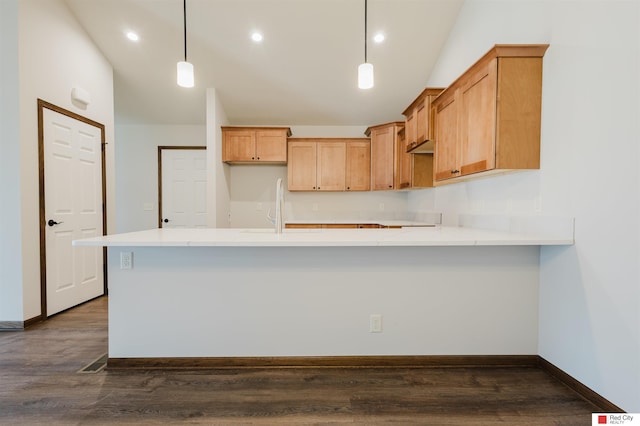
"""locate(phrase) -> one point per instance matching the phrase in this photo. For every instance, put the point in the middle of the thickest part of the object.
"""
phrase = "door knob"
(166, 221)
(52, 222)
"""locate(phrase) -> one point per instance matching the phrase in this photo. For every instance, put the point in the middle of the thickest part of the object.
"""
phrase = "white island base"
(317, 301)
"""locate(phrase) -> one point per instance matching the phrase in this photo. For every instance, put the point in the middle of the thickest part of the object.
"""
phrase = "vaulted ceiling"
(304, 72)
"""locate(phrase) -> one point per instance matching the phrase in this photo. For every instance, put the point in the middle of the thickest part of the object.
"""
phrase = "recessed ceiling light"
(257, 37)
(132, 36)
(378, 38)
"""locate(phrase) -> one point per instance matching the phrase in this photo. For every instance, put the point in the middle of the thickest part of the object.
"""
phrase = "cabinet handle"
(253, 158)
(318, 187)
(453, 172)
(348, 187)
(314, 187)
(258, 158)
(390, 186)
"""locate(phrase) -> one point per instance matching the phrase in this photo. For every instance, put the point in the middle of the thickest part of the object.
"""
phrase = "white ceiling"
(303, 73)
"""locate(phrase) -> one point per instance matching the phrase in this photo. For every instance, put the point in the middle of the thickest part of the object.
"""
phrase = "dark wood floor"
(39, 384)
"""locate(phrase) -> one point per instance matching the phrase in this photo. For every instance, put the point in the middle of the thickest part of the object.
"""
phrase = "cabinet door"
(410, 129)
(446, 139)
(403, 177)
(422, 121)
(271, 145)
(478, 118)
(301, 170)
(331, 166)
(239, 145)
(382, 158)
(358, 173)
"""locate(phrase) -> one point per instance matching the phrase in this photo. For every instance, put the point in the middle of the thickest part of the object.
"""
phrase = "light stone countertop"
(266, 237)
(382, 222)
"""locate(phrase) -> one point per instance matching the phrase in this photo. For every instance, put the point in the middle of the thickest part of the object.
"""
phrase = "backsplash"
(253, 194)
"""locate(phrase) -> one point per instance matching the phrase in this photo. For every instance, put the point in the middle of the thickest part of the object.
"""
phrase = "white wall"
(218, 173)
(11, 242)
(253, 192)
(136, 169)
(590, 292)
(53, 54)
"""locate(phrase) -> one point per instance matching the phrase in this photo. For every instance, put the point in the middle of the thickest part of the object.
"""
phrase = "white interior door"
(73, 209)
(183, 188)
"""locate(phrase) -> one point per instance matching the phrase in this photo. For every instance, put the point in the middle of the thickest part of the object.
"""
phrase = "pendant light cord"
(184, 3)
(365, 31)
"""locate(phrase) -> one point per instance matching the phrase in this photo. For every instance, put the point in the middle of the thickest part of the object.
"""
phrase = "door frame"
(42, 105)
(160, 148)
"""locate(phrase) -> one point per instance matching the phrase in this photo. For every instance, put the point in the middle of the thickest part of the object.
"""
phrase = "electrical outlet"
(381, 207)
(375, 323)
(259, 206)
(126, 260)
(537, 204)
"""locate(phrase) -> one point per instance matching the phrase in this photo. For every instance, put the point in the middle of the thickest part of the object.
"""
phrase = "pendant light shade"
(365, 70)
(185, 69)
(185, 74)
(365, 76)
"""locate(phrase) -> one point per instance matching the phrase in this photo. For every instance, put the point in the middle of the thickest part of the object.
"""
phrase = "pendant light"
(365, 70)
(185, 69)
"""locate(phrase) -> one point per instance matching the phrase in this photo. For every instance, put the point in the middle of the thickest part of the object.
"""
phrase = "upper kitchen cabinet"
(418, 122)
(328, 164)
(246, 145)
(358, 166)
(488, 120)
(414, 169)
(388, 157)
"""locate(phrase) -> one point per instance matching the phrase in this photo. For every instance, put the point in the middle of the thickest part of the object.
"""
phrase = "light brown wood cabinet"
(419, 119)
(415, 170)
(328, 164)
(390, 163)
(331, 164)
(358, 167)
(245, 145)
(405, 163)
(488, 120)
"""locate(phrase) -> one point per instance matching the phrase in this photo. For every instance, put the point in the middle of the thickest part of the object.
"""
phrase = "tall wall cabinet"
(389, 161)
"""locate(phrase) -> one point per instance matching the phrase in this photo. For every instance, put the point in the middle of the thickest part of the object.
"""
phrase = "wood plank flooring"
(40, 384)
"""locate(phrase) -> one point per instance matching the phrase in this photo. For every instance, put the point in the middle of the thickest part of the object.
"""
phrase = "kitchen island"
(220, 293)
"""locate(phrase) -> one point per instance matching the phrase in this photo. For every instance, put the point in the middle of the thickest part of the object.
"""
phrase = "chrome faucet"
(278, 219)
